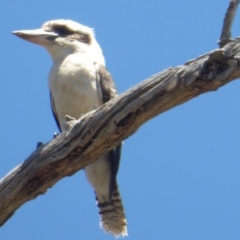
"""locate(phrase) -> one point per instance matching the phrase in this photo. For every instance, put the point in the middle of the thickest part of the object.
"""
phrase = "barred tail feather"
(113, 219)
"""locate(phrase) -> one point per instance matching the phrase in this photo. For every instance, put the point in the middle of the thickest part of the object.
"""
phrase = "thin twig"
(227, 24)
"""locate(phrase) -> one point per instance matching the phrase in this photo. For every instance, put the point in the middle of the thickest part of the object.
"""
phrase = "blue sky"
(179, 175)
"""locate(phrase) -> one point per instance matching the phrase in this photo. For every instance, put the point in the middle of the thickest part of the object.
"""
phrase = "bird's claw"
(39, 144)
(55, 135)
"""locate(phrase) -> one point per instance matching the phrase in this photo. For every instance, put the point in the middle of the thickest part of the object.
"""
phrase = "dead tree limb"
(97, 132)
(227, 23)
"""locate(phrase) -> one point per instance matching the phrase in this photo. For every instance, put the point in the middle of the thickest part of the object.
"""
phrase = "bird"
(79, 83)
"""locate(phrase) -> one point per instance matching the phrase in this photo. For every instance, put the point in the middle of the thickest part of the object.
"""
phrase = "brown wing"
(106, 85)
(108, 91)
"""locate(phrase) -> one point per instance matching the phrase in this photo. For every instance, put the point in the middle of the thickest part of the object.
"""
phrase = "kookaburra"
(80, 83)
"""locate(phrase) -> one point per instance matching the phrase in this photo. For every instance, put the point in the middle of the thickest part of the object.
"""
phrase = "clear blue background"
(179, 175)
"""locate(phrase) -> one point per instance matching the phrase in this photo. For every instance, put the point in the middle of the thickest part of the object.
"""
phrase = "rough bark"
(99, 131)
(227, 23)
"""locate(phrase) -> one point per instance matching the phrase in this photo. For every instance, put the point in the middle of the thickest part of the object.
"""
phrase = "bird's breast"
(74, 90)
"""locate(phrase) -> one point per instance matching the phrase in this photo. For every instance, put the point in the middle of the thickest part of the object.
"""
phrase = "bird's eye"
(62, 30)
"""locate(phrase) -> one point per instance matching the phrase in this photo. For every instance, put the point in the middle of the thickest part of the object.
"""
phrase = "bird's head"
(63, 37)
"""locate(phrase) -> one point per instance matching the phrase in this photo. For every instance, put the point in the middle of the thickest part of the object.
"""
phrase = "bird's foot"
(55, 135)
(39, 144)
(70, 121)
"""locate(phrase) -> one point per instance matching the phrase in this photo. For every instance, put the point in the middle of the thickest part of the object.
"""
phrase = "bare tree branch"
(99, 131)
(227, 24)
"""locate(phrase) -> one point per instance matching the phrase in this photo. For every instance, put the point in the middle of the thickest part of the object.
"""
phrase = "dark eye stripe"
(81, 37)
(62, 30)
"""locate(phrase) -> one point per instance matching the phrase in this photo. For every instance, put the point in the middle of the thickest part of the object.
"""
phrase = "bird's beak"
(38, 36)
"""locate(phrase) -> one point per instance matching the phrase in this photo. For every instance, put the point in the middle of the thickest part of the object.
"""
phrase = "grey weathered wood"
(99, 131)
(227, 23)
